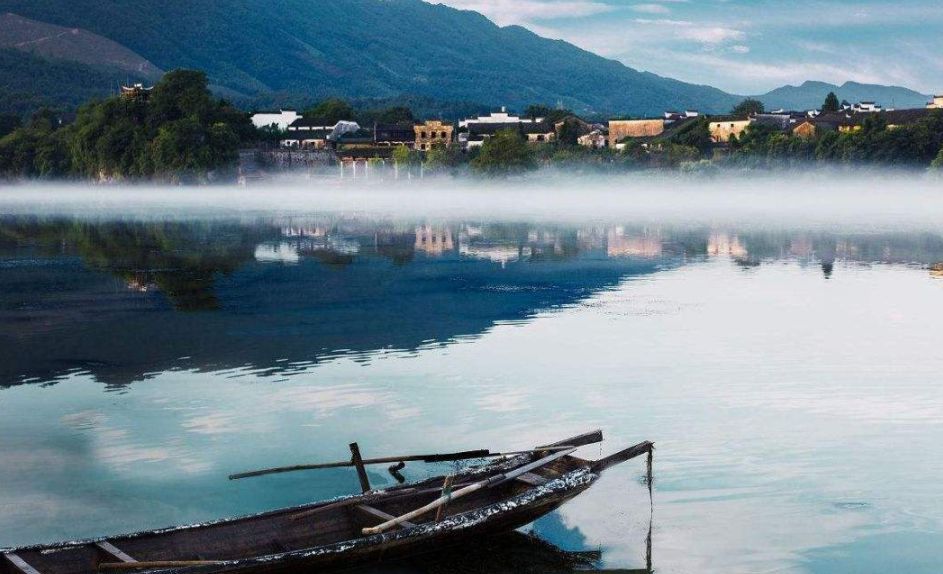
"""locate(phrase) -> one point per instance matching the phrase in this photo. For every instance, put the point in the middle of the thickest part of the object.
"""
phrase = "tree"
(534, 111)
(695, 134)
(505, 153)
(8, 123)
(938, 162)
(179, 94)
(395, 115)
(831, 103)
(748, 107)
(330, 111)
(570, 132)
(442, 158)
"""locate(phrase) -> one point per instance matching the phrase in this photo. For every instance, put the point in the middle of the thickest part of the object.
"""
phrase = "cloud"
(742, 46)
(507, 12)
(651, 8)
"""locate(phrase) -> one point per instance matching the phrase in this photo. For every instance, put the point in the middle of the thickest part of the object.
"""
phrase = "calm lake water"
(789, 375)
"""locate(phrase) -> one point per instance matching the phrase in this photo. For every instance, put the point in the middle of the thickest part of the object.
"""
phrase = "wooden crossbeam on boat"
(377, 513)
(114, 552)
(19, 563)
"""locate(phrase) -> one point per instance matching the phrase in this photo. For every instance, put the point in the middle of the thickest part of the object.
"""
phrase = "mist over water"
(815, 197)
(774, 336)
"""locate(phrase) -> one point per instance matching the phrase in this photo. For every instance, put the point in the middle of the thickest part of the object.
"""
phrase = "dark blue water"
(788, 377)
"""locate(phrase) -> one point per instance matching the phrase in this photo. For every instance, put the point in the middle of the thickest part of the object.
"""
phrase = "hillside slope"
(369, 48)
(60, 43)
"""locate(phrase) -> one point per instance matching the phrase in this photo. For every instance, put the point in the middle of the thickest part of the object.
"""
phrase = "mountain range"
(60, 52)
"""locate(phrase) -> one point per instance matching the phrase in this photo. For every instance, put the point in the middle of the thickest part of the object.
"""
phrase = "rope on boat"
(649, 478)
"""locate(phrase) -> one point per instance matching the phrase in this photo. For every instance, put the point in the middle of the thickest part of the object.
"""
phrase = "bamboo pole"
(484, 453)
(470, 489)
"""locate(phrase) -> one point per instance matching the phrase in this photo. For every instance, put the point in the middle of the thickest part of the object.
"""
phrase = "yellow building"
(432, 133)
(936, 104)
(434, 240)
(722, 129)
(621, 129)
(804, 130)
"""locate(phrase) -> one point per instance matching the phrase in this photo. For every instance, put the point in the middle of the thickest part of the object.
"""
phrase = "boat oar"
(474, 487)
(464, 455)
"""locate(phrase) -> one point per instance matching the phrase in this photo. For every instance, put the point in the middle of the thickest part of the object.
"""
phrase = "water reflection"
(772, 366)
(513, 553)
(116, 298)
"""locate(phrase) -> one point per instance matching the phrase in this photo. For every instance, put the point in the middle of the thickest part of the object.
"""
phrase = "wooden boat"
(378, 524)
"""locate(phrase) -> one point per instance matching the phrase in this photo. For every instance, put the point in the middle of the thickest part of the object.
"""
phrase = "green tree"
(831, 103)
(330, 111)
(748, 107)
(938, 162)
(696, 133)
(179, 94)
(8, 123)
(569, 133)
(443, 159)
(395, 115)
(505, 153)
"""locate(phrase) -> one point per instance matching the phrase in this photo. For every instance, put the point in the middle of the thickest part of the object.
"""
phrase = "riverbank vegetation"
(175, 132)
(178, 132)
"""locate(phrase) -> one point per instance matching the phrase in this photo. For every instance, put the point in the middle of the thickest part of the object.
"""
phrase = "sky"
(747, 46)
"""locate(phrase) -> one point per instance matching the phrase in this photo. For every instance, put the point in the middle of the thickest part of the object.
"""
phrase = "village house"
(936, 104)
(502, 117)
(622, 129)
(432, 133)
(136, 92)
(867, 107)
(303, 133)
(280, 119)
(476, 134)
(596, 139)
(723, 128)
(393, 135)
(849, 122)
(804, 129)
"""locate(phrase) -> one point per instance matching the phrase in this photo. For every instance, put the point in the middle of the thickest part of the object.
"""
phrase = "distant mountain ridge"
(811, 95)
(297, 51)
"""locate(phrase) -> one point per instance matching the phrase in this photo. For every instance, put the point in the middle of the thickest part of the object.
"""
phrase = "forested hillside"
(369, 49)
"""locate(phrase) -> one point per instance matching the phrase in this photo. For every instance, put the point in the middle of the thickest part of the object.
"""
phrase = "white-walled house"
(282, 119)
(502, 117)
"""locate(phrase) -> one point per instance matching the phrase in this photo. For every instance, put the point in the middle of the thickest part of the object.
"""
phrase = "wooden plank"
(622, 456)
(20, 564)
(532, 479)
(377, 513)
(114, 551)
(361, 469)
(579, 440)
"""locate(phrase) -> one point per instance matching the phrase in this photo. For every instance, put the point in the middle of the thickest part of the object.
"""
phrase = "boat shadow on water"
(510, 553)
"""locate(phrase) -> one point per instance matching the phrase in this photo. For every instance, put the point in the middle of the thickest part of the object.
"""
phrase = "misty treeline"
(180, 132)
(176, 132)
(917, 145)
